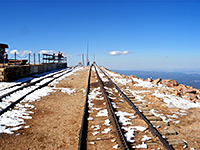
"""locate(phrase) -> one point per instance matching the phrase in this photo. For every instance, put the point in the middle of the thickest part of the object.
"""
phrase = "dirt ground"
(56, 121)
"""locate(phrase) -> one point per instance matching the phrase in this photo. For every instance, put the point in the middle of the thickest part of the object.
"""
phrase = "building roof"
(3, 45)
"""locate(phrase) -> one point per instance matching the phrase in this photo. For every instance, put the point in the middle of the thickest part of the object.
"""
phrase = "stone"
(191, 96)
(132, 76)
(177, 93)
(190, 90)
(178, 88)
(169, 83)
(122, 76)
(156, 81)
(150, 79)
(129, 84)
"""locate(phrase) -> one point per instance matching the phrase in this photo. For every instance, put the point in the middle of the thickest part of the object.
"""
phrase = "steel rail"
(151, 128)
(82, 143)
(29, 84)
(21, 98)
(115, 123)
(28, 81)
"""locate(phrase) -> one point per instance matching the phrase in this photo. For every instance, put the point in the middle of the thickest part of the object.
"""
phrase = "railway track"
(29, 79)
(105, 105)
(19, 86)
(8, 101)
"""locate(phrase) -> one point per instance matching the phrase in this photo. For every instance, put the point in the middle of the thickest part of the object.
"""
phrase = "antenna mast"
(88, 63)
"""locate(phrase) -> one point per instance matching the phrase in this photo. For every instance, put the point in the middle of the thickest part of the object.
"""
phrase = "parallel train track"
(36, 83)
(118, 129)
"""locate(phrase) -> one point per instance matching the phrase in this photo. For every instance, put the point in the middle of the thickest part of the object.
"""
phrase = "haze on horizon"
(124, 35)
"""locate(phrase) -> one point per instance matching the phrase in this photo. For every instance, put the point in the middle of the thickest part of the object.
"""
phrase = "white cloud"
(119, 52)
(25, 52)
(14, 51)
(67, 55)
(21, 53)
(47, 51)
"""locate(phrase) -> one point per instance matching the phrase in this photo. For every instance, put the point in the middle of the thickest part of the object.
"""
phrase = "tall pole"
(15, 57)
(87, 50)
(87, 53)
(34, 58)
(29, 58)
(83, 59)
(39, 58)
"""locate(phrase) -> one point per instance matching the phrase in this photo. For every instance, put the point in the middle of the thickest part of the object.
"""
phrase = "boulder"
(177, 93)
(129, 84)
(190, 90)
(122, 76)
(150, 79)
(169, 83)
(178, 88)
(132, 76)
(156, 81)
(191, 96)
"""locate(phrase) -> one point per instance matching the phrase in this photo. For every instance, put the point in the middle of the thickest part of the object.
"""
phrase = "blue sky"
(146, 35)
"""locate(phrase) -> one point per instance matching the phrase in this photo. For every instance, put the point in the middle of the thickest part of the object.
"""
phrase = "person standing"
(59, 57)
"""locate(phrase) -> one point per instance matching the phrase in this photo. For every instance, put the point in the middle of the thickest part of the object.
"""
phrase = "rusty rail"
(115, 123)
(82, 144)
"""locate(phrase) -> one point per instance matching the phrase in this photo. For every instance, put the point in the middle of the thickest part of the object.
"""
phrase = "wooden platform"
(10, 73)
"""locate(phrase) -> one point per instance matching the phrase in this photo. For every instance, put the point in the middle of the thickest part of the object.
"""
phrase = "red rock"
(194, 91)
(149, 79)
(132, 76)
(156, 81)
(169, 83)
(191, 96)
(177, 93)
(178, 88)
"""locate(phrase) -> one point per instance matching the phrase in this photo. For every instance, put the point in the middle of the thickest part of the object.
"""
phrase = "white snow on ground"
(146, 138)
(176, 102)
(95, 94)
(69, 91)
(4, 85)
(129, 133)
(143, 145)
(103, 112)
(122, 119)
(102, 76)
(116, 146)
(96, 127)
(107, 122)
(170, 100)
(90, 118)
(95, 133)
(164, 118)
(106, 130)
(173, 118)
(144, 84)
(13, 120)
(38, 94)
(9, 90)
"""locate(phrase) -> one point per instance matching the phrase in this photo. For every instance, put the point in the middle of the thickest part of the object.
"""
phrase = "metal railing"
(31, 58)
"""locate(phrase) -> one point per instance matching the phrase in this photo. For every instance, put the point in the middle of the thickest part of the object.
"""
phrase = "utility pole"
(83, 59)
(88, 63)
